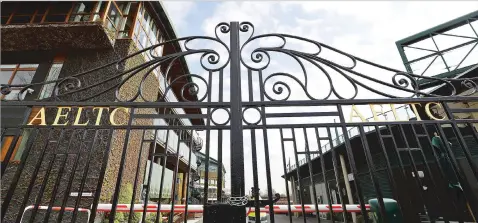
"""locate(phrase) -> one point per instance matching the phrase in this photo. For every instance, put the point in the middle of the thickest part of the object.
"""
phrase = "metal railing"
(172, 144)
(338, 140)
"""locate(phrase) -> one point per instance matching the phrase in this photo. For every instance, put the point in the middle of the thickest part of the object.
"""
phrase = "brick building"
(46, 41)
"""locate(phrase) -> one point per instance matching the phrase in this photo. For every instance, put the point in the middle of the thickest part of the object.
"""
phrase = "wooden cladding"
(6, 143)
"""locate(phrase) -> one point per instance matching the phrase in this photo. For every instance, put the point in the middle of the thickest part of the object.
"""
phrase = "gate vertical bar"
(237, 150)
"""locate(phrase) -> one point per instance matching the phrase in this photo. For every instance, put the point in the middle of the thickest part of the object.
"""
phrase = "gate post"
(237, 150)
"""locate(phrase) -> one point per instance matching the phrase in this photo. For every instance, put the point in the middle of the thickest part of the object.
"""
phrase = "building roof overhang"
(444, 89)
(211, 160)
(430, 33)
(170, 34)
(48, 37)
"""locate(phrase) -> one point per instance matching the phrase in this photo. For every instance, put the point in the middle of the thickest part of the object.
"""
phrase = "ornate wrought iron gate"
(423, 158)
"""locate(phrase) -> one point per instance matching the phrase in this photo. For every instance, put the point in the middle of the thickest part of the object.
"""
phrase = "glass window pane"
(20, 19)
(6, 142)
(14, 94)
(100, 10)
(146, 27)
(153, 39)
(53, 74)
(28, 66)
(151, 24)
(159, 37)
(142, 37)
(37, 19)
(154, 29)
(124, 7)
(23, 77)
(146, 18)
(110, 24)
(42, 7)
(4, 20)
(23, 143)
(79, 18)
(60, 8)
(83, 7)
(55, 18)
(114, 16)
(136, 27)
(27, 9)
(7, 8)
(5, 76)
(122, 24)
(101, 7)
(8, 66)
(140, 13)
(123, 34)
(157, 51)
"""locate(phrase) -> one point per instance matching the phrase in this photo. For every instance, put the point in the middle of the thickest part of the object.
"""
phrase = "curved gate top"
(238, 101)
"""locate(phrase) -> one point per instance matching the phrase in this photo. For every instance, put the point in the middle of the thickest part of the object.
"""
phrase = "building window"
(146, 33)
(16, 74)
(82, 11)
(53, 73)
(19, 14)
(58, 12)
(19, 146)
(6, 143)
(120, 18)
(99, 11)
(52, 12)
(7, 10)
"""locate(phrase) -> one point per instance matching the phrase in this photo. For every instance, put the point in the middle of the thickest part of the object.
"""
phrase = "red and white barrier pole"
(88, 211)
(165, 208)
(308, 208)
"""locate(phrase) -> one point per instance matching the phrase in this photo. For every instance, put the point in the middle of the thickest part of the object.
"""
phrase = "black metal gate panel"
(412, 156)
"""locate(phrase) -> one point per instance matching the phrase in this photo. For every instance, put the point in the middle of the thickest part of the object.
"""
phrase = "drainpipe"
(346, 179)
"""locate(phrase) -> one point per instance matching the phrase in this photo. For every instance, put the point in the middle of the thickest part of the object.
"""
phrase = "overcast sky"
(364, 29)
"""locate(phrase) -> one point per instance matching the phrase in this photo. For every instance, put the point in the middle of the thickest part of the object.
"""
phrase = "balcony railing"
(172, 146)
(155, 182)
(338, 140)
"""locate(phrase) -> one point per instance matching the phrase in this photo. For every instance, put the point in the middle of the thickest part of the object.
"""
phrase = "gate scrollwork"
(259, 60)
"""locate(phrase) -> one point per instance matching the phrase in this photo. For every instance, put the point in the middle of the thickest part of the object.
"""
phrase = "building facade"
(45, 41)
(214, 184)
(397, 152)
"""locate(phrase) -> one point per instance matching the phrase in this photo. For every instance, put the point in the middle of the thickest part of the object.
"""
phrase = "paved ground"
(285, 219)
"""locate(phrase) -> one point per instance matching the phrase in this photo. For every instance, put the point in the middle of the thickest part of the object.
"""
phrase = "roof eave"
(171, 34)
(438, 29)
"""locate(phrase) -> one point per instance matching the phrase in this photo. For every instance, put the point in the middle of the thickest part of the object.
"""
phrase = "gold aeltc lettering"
(394, 111)
(374, 112)
(357, 114)
(415, 110)
(100, 113)
(428, 111)
(112, 116)
(78, 116)
(59, 115)
(40, 113)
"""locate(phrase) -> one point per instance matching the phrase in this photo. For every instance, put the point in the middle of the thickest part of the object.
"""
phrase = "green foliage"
(339, 217)
(371, 217)
(151, 218)
(125, 195)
